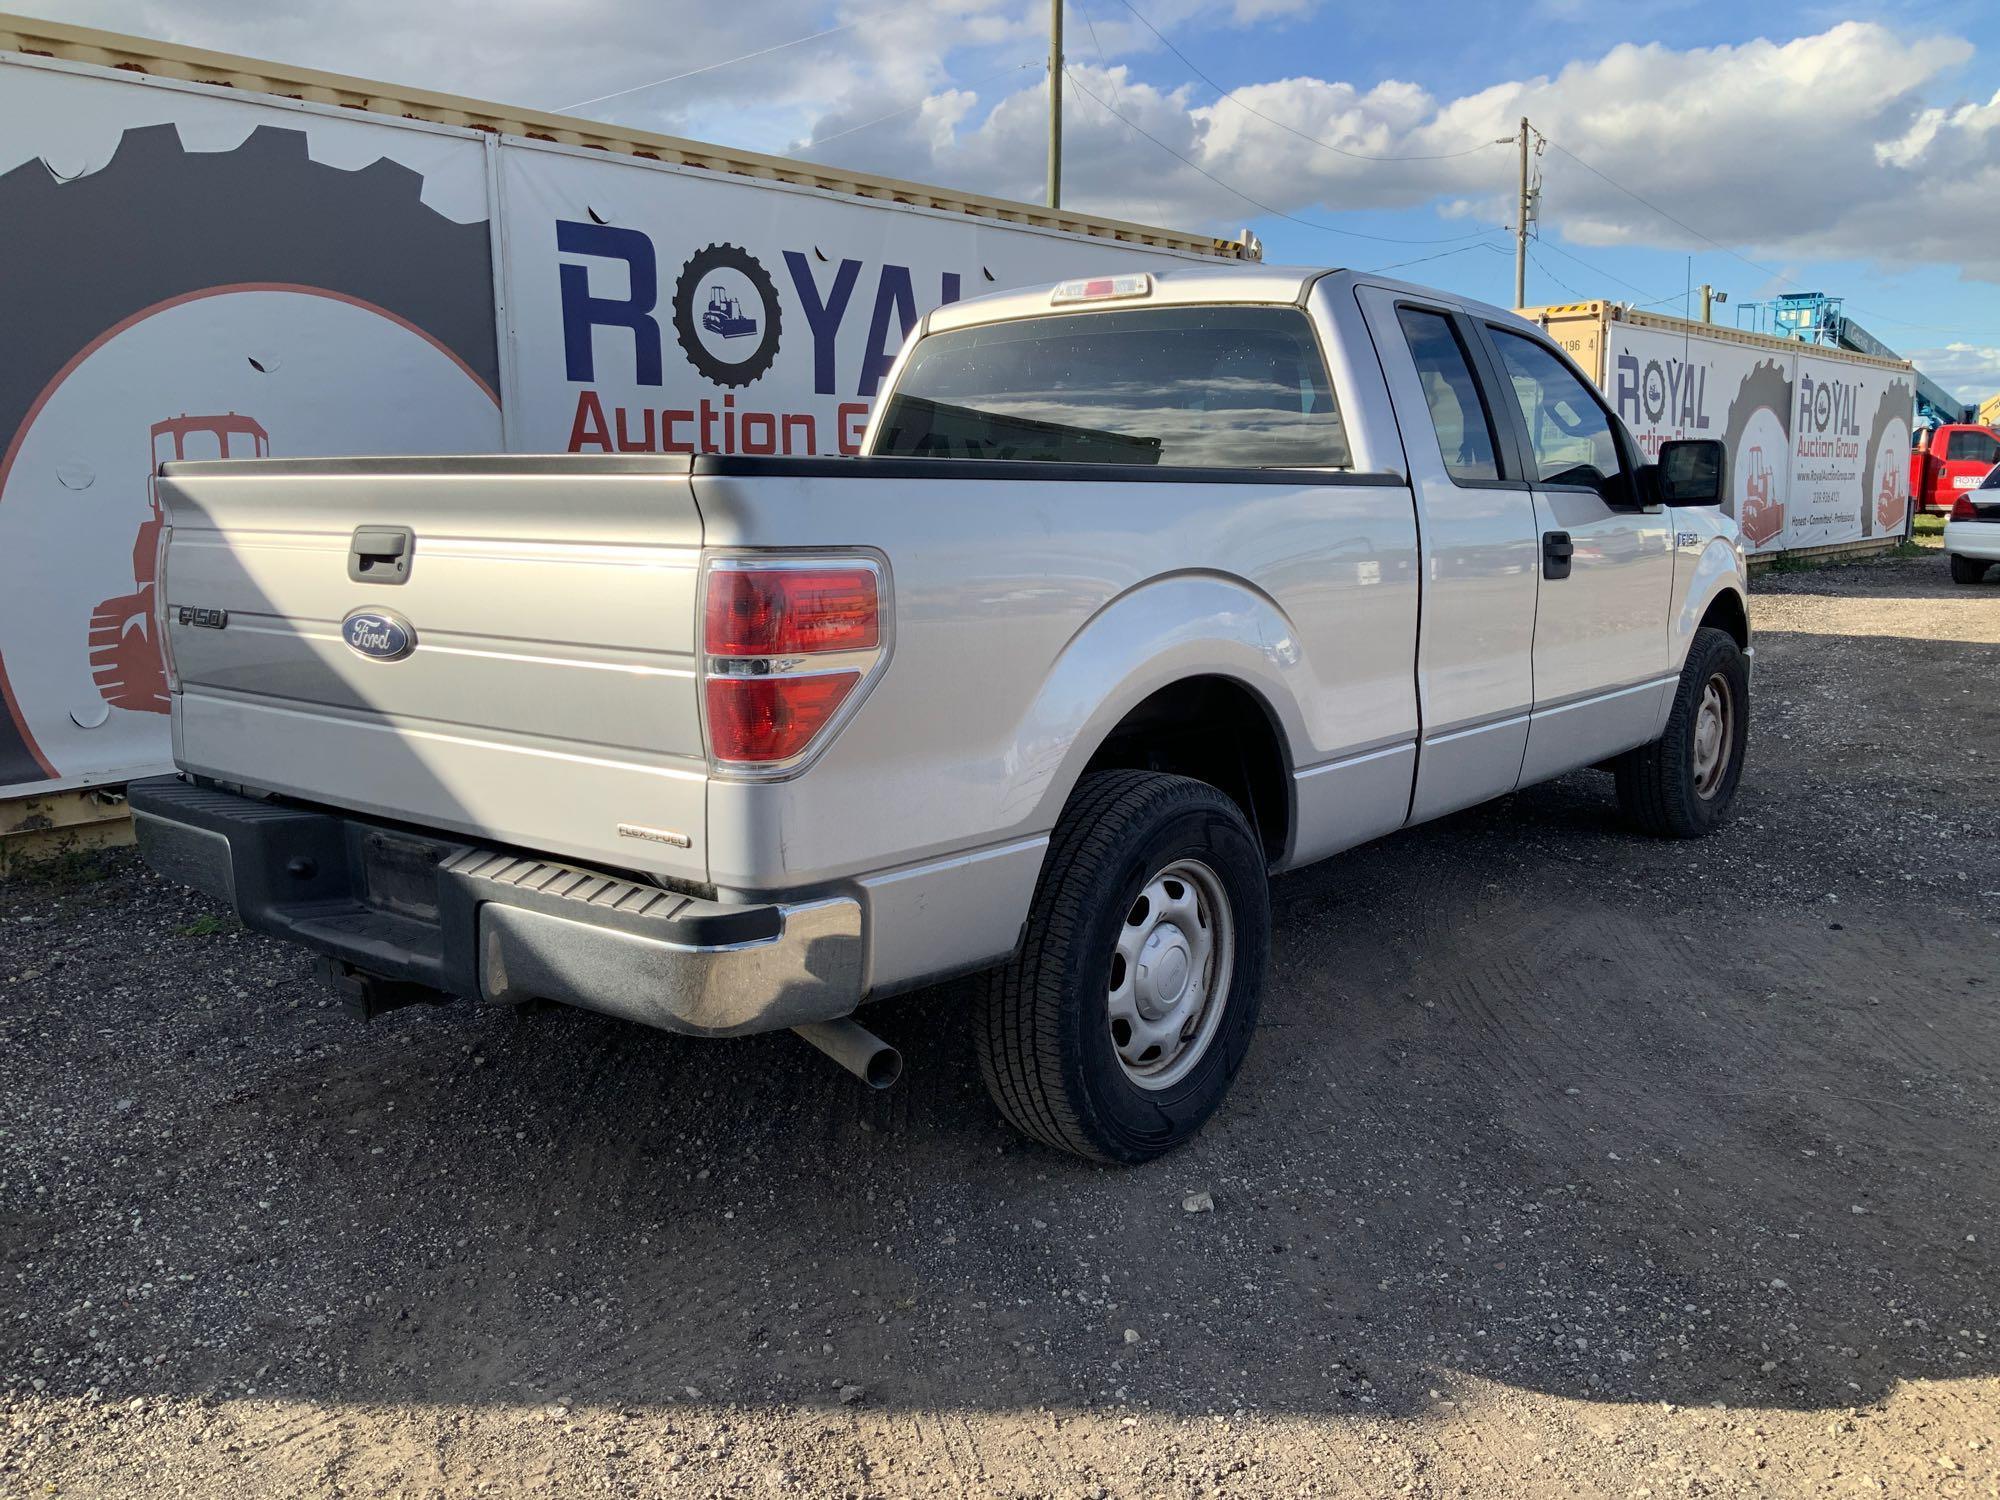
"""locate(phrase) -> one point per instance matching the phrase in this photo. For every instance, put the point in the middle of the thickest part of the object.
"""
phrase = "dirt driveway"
(1568, 1164)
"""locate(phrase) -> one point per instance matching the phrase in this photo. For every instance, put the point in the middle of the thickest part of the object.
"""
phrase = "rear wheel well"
(1726, 612)
(1215, 730)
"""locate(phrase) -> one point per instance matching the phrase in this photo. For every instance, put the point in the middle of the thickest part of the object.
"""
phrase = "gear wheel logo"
(262, 219)
(1758, 440)
(726, 315)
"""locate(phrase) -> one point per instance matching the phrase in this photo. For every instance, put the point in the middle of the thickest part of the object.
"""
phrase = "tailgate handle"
(380, 554)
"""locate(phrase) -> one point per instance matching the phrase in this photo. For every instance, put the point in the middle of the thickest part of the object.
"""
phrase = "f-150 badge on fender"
(378, 634)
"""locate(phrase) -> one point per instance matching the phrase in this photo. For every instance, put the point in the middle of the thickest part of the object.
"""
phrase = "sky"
(1852, 149)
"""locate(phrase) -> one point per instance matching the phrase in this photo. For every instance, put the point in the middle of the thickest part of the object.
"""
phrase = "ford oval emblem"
(379, 634)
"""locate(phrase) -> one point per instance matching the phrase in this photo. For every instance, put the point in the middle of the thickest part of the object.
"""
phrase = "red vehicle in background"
(125, 656)
(1947, 461)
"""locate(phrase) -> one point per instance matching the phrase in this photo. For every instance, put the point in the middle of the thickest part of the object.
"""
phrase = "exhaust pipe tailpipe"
(856, 1049)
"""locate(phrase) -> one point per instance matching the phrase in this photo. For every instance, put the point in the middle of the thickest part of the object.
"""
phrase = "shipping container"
(210, 256)
(1818, 438)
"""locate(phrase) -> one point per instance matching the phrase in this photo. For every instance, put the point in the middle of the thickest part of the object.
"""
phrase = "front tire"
(1118, 1027)
(1967, 569)
(1681, 785)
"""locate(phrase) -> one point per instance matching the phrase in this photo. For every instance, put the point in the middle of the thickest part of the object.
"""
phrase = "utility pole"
(1055, 102)
(1709, 297)
(1521, 225)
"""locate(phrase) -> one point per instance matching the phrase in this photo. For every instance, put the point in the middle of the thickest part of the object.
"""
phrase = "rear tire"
(1118, 1027)
(1967, 569)
(1681, 785)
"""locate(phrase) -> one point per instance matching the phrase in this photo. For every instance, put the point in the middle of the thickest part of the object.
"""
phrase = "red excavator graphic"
(124, 637)
(1892, 499)
(1763, 517)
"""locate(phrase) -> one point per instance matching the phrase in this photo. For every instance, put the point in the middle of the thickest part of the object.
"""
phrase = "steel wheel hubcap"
(1170, 969)
(1713, 735)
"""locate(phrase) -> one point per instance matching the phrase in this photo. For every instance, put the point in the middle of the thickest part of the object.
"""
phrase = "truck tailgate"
(547, 697)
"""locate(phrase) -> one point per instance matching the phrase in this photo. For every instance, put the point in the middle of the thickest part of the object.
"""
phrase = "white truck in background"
(1146, 586)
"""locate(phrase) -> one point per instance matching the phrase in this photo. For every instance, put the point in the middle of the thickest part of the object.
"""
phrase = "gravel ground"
(1570, 1164)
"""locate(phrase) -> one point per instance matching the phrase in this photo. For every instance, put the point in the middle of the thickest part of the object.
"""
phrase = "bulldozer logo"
(116, 361)
(1763, 506)
(1759, 429)
(726, 315)
(1886, 479)
(125, 659)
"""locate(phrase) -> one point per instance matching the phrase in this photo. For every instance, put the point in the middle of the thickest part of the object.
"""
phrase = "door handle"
(380, 554)
(1557, 550)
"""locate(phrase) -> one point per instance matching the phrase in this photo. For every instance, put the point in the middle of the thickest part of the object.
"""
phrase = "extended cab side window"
(1239, 387)
(1569, 432)
(1973, 447)
(1457, 405)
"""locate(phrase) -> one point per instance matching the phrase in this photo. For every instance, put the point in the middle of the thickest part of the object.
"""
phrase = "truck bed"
(552, 696)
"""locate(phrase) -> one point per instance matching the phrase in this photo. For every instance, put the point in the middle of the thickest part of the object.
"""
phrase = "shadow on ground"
(1534, 1102)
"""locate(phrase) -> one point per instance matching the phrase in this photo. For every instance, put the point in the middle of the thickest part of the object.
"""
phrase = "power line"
(1094, 42)
(1778, 276)
(1395, 265)
(1681, 296)
(1548, 244)
(1671, 219)
(1540, 266)
(1343, 151)
(1159, 209)
(1258, 203)
(725, 63)
(1273, 120)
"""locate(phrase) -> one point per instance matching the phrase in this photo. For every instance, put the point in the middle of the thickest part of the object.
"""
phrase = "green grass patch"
(69, 870)
(1926, 525)
(1791, 562)
(205, 925)
(1797, 562)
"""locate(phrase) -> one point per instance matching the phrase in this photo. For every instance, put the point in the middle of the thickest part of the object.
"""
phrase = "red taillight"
(766, 719)
(1961, 509)
(791, 611)
(785, 646)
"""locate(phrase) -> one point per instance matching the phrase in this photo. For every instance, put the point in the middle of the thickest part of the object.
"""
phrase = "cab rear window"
(1239, 387)
(1973, 446)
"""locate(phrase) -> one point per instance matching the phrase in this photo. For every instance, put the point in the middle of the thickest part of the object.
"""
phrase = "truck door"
(1602, 663)
(1969, 456)
(1475, 683)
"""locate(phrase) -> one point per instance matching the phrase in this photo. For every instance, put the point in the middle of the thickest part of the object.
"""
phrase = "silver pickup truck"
(1145, 587)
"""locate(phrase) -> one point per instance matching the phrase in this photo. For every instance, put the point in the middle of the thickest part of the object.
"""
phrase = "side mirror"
(1692, 472)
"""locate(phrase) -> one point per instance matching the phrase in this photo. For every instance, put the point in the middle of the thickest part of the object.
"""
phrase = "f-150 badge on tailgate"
(378, 634)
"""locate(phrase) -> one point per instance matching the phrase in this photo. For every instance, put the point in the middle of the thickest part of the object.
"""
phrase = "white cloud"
(1819, 147)
(880, 55)
(520, 52)
(1249, 12)
(1970, 372)
(1814, 148)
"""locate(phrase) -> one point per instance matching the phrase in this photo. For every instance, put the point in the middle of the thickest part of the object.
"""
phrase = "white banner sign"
(660, 309)
(1818, 447)
(185, 274)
